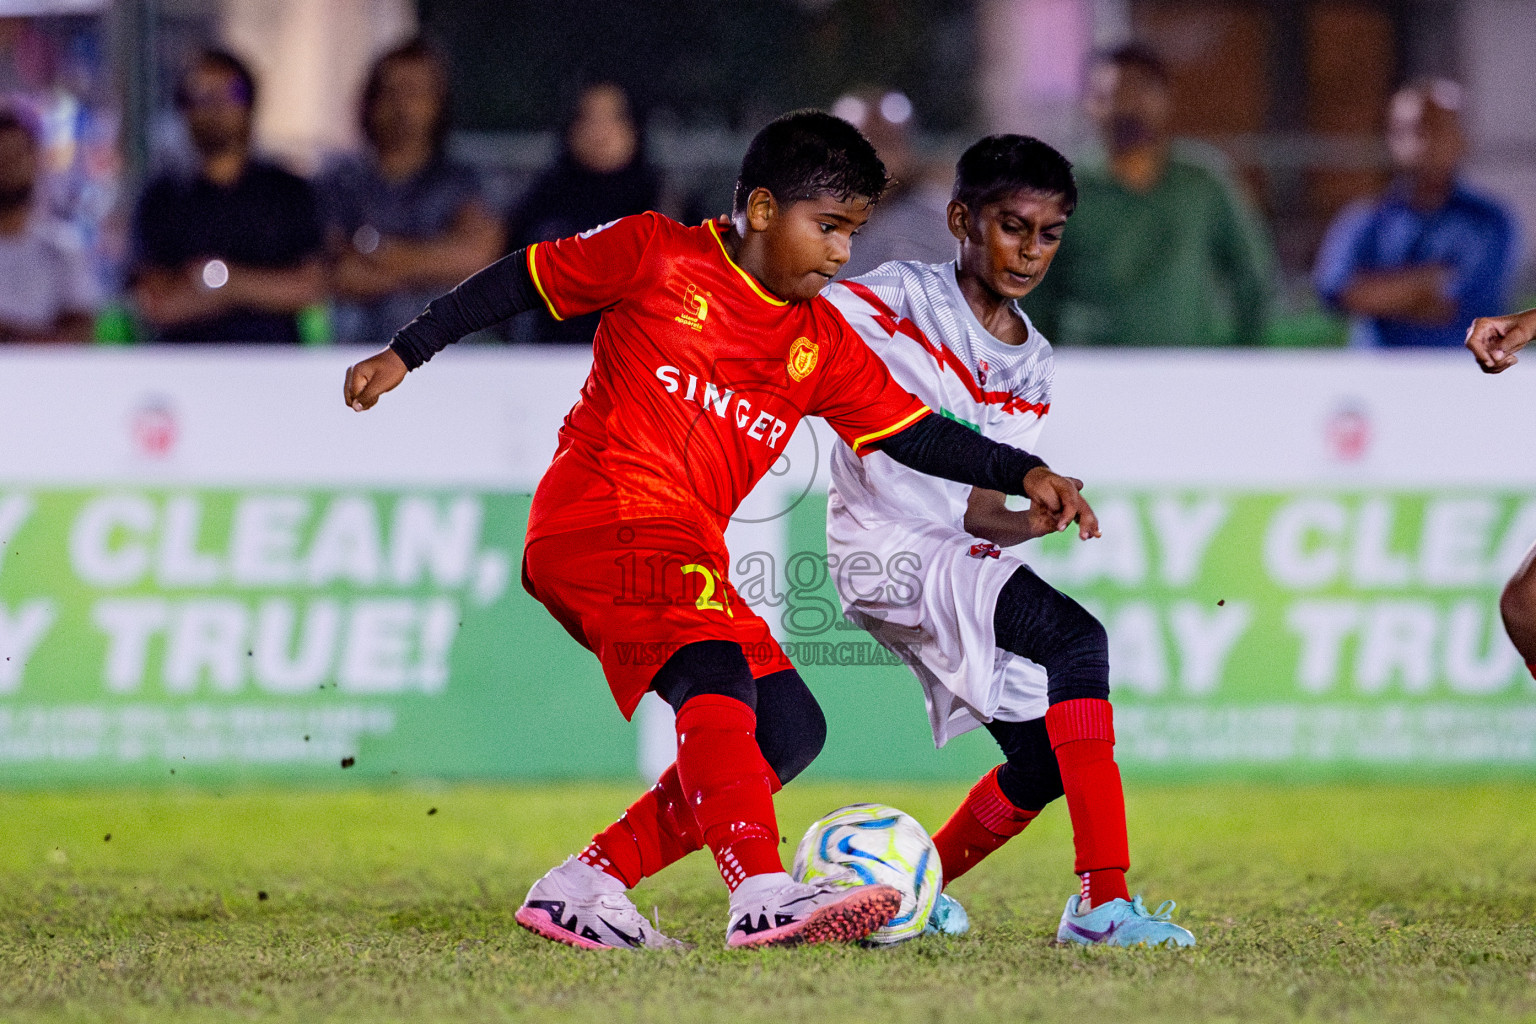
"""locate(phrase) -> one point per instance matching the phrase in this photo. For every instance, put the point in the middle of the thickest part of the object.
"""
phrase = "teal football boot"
(948, 917)
(1122, 923)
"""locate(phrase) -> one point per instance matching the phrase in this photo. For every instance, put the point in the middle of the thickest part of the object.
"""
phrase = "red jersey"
(699, 377)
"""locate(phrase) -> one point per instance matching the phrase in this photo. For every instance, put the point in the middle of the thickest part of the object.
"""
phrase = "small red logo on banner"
(154, 429)
(1348, 433)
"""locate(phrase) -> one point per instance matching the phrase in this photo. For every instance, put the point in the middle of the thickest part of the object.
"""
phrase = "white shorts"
(931, 603)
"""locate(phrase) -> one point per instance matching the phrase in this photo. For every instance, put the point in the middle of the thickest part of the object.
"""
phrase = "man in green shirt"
(1165, 250)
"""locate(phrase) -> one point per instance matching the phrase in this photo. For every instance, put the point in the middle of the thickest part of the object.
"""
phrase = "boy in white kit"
(992, 644)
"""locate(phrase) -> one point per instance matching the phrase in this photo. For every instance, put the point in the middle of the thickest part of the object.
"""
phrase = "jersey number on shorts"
(706, 601)
(660, 564)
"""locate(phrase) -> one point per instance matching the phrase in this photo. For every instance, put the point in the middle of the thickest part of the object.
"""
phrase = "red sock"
(983, 822)
(728, 785)
(657, 830)
(1083, 735)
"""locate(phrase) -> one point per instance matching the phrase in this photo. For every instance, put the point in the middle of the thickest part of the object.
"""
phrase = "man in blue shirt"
(1416, 265)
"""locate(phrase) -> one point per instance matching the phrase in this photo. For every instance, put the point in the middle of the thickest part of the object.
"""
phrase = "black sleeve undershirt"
(499, 292)
(941, 447)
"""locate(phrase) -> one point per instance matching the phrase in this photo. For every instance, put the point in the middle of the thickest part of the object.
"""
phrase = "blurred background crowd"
(1252, 172)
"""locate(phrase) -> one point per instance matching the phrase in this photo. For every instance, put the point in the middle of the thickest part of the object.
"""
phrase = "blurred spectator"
(910, 222)
(1164, 248)
(1418, 264)
(47, 290)
(229, 252)
(602, 175)
(404, 222)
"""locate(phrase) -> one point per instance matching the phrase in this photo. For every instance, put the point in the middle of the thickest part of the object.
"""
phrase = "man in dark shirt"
(405, 221)
(602, 174)
(229, 252)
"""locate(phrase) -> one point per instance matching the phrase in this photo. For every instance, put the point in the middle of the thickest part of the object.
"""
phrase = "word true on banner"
(236, 594)
(1302, 596)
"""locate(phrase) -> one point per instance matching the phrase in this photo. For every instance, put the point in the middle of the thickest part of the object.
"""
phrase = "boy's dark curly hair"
(1002, 164)
(808, 153)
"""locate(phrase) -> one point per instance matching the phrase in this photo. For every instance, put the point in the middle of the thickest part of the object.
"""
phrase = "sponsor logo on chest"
(695, 308)
(725, 404)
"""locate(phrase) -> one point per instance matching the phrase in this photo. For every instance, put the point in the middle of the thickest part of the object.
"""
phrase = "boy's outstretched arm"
(1494, 340)
(943, 448)
(988, 516)
(500, 291)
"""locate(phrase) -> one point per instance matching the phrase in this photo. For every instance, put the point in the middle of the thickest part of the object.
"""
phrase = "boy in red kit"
(713, 345)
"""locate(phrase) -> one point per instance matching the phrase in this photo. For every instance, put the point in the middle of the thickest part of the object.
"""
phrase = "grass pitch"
(1317, 903)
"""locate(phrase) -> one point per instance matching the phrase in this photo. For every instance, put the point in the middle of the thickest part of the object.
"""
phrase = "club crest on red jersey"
(802, 358)
(985, 549)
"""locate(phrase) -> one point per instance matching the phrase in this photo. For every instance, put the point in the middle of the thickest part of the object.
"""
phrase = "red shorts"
(635, 591)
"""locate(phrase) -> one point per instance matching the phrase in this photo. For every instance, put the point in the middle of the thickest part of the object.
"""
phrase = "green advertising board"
(274, 634)
(1299, 573)
(1302, 634)
(277, 633)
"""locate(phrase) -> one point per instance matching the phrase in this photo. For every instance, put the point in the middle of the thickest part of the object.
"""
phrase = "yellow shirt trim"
(751, 281)
(892, 429)
(533, 272)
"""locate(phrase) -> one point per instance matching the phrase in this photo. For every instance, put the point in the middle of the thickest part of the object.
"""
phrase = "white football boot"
(776, 910)
(586, 907)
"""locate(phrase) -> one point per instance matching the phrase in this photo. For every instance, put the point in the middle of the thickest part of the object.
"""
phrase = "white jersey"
(918, 323)
(935, 604)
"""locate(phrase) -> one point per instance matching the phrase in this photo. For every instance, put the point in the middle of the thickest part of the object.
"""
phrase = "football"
(866, 844)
